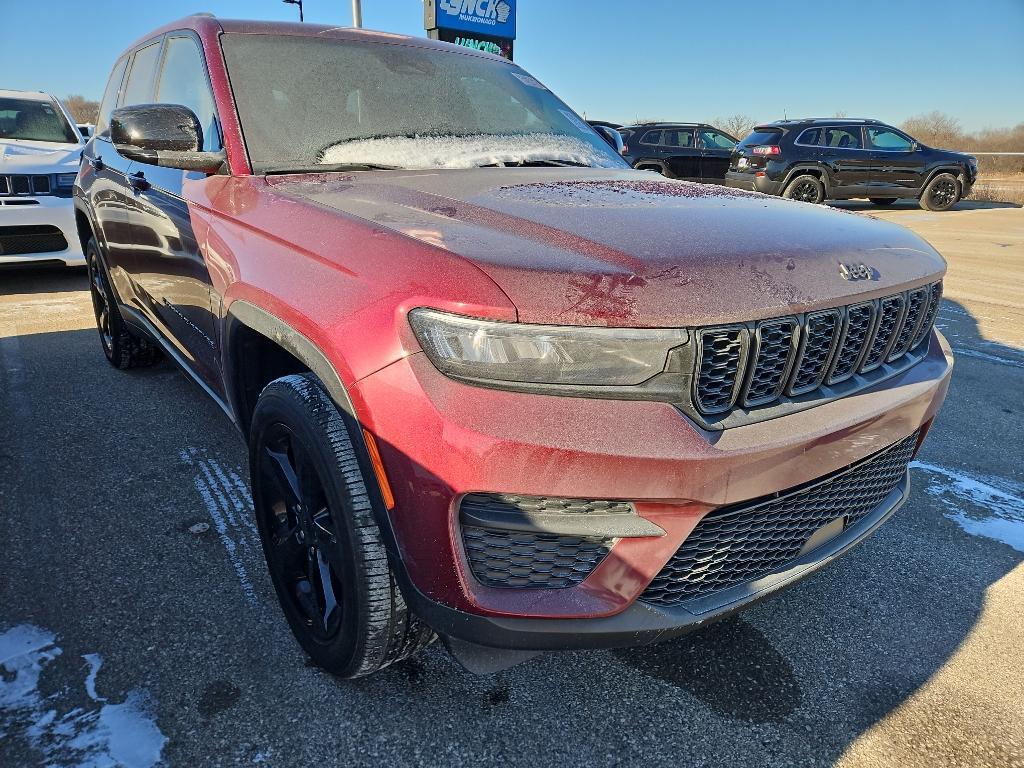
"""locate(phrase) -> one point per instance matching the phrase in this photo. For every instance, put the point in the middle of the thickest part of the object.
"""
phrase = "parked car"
(839, 159)
(39, 150)
(688, 151)
(495, 384)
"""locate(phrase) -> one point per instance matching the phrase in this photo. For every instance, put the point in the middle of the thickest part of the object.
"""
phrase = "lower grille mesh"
(735, 545)
(31, 238)
(500, 558)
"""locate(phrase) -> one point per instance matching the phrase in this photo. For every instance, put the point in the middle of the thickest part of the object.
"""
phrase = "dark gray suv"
(838, 159)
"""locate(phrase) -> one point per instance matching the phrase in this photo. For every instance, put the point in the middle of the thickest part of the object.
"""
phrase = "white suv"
(40, 148)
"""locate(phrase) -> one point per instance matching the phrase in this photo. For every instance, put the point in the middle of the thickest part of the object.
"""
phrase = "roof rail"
(205, 14)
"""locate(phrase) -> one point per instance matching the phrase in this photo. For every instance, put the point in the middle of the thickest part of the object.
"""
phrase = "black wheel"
(941, 193)
(122, 347)
(324, 550)
(806, 189)
(882, 200)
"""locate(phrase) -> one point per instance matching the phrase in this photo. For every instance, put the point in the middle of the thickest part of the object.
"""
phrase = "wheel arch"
(956, 170)
(813, 169)
(246, 325)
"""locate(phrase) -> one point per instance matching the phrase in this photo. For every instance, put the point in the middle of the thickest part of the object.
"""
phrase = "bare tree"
(936, 129)
(736, 125)
(82, 109)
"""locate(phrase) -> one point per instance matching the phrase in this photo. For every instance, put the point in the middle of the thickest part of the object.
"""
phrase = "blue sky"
(652, 59)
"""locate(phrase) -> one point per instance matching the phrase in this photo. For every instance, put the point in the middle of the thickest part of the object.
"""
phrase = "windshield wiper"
(328, 168)
(543, 163)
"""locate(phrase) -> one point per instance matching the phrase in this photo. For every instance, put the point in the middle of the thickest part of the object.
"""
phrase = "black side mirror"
(613, 137)
(168, 135)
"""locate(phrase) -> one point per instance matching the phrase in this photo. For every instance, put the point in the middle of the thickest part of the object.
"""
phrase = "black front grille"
(934, 299)
(34, 238)
(720, 351)
(500, 558)
(738, 544)
(791, 357)
(890, 310)
(20, 184)
(773, 347)
(816, 347)
(917, 304)
(859, 319)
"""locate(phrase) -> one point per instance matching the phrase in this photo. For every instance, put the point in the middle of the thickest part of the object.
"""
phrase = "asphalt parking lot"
(125, 635)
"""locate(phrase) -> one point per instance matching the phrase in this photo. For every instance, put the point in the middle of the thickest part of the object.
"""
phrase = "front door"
(681, 153)
(173, 281)
(897, 168)
(715, 153)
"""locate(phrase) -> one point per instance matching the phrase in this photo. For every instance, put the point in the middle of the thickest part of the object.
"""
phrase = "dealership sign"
(487, 25)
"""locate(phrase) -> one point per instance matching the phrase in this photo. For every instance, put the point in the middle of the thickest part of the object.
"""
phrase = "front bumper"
(440, 439)
(752, 182)
(47, 210)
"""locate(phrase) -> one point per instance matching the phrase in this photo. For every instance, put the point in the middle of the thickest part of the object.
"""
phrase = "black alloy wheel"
(942, 193)
(806, 189)
(122, 347)
(306, 558)
(314, 504)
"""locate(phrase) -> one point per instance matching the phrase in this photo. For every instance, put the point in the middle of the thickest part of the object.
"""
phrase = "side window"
(110, 97)
(811, 136)
(651, 137)
(679, 138)
(715, 140)
(139, 88)
(888, 141)
(183, 81)
(843, 138)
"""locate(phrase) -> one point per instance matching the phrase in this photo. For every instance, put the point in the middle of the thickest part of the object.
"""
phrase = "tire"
(941, 193)
(325, 553)
(122, 347)
(882, 200)
(805, 188)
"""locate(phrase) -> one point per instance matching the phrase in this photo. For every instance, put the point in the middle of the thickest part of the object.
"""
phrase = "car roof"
(664, 125)
(208, 23)
(826, 121)
(29, 95)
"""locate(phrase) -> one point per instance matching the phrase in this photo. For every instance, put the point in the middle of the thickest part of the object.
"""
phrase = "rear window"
(811, 136)
(762, 135)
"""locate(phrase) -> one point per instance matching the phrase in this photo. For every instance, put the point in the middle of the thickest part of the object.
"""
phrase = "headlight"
(66, 179)
(484, 350)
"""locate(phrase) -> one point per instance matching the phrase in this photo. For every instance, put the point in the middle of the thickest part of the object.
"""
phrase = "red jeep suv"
(495, 384)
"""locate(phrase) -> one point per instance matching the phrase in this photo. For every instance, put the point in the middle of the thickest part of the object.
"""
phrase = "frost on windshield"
(418, 152)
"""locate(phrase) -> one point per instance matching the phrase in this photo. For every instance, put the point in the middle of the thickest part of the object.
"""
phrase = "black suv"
(690, 151)
(840, 158)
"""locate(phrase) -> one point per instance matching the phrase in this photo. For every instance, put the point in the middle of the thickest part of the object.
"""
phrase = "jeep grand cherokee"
(495, 384)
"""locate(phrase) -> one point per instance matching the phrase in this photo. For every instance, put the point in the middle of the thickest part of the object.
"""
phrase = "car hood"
(628, 248)
(29, 157)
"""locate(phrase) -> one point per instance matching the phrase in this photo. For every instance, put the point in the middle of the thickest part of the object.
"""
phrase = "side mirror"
(168, 135)
(613, 137)
(914, 146)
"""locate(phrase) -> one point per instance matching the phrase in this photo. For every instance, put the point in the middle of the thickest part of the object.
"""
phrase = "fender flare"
(241, 312)
(826, 177)
(960, 174)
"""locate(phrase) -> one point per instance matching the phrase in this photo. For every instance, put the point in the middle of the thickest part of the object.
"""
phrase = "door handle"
(138, 181)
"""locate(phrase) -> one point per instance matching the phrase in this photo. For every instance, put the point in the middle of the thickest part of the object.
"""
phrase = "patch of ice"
(421, 152)
(122, 734)
(995, 506)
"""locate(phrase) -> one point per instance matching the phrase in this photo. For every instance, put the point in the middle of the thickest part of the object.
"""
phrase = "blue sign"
(493, 18)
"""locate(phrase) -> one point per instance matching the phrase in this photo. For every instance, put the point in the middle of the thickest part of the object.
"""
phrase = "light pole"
(295, 2)
(357, 14)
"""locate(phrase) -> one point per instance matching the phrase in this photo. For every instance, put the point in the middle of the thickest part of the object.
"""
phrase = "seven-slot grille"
(739, 544)
(793, 356)
(21, 184)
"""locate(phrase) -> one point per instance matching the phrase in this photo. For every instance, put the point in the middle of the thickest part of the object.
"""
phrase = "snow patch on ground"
(101, 736)
(420, 152)
(994, 506)
(229, 505)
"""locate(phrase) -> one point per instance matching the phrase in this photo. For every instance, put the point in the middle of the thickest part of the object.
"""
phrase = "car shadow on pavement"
(865, 206)
(102, 554)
